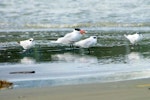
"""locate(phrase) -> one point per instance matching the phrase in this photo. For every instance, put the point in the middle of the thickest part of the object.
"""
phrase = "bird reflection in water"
(71, 57)
(134, 57)
(27, 60)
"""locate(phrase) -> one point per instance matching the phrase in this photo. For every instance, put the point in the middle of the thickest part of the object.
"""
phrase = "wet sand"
(125, 90)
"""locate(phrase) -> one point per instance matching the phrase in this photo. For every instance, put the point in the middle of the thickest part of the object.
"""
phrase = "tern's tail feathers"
(125, 35)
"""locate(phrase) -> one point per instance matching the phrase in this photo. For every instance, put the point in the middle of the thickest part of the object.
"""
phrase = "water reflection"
(134, 57)
(135, 54)
(27, 60)
(99, 55)
(72, 57)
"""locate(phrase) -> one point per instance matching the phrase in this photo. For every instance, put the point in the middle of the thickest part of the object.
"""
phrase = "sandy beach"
(125, 90)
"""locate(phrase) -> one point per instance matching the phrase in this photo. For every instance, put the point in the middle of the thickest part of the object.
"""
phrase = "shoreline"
(122, 90)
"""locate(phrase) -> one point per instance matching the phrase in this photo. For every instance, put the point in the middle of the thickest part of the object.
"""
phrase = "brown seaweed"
(5, 84)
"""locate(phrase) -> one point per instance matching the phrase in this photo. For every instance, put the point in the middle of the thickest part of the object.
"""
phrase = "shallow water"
(113, 58)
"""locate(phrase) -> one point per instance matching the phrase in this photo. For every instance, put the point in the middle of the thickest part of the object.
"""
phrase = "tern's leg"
(72, 46)
(89, 50)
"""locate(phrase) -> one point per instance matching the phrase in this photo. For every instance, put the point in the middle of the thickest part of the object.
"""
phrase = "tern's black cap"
(77, 29)
(138, 32)
(94, 37)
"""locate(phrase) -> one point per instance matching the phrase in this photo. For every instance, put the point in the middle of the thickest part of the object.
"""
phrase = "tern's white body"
(70, 38)
(27, 44)
(87, 43)
(134, 38)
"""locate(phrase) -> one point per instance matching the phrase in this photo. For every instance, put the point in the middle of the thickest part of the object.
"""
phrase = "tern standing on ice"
(134, 38)
(87, 43)
(72, 37)
(26, 44)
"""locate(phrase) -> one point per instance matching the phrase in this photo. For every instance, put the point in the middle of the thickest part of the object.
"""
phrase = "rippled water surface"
(16, 14)
(113, 58)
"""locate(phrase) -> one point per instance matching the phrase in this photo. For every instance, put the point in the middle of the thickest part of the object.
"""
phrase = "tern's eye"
(94, 37)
